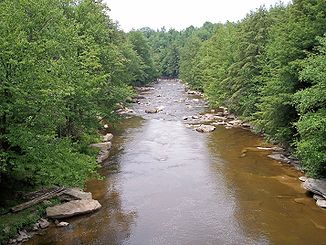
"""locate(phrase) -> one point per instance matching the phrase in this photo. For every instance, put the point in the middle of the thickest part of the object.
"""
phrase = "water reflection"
(270, 204)
(166, 184)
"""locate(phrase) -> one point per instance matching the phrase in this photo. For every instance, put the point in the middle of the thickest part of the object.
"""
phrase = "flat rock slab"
(317, 186)
(102, 146)
(78, 194)
(72, 208)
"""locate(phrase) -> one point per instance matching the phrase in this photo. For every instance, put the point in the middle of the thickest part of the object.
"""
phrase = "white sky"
(180, 14)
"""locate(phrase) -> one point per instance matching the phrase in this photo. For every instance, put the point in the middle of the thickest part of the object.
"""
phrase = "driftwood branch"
(46, 196)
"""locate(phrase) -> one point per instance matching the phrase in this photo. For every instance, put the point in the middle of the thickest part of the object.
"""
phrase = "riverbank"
(172, 184)
(37, 210)
(221, 117)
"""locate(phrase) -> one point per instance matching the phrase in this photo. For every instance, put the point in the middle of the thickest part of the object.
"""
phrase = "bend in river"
(168, 184)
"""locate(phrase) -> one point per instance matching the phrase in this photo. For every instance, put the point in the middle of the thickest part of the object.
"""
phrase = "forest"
(268, 69)
(65, 65)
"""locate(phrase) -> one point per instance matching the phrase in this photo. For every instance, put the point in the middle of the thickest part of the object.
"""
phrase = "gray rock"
(104, 151)
(235, 123)
(317, 197)
(279, 157)
(303, 178)
(159, 108)
(107, 137)
(22, 236)
(102, 146)
(78, 194)
(72, 208)
(219, 123)
(192, 92)
(35, 227)
(205, 128)
(321, 203)
(43, 223)
(317, 186)
(151, 111)
(62, 224)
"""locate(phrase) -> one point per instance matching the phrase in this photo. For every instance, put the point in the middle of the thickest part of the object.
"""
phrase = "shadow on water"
(271, 206)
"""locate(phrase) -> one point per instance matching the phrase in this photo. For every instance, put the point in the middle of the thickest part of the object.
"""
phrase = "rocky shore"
(207, 122)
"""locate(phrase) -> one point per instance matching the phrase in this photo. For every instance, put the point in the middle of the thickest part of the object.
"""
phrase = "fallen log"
(46, 196)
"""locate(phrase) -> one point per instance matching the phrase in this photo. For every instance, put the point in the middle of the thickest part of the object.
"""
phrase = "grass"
(11, 223)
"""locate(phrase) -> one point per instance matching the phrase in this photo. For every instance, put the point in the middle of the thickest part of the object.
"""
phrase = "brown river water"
(168, 184)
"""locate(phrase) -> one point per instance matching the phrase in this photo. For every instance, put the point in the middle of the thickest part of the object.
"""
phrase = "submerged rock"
(279, 157)
(72, 208)
(317, 186)
(205, 128)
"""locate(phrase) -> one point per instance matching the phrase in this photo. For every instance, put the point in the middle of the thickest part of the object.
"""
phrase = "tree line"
(64, 65)
(268, 69)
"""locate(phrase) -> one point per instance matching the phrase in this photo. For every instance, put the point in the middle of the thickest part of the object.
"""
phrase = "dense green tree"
(140, 45)
(215, 58)
(63, 64)
(311, 105)
(244, 74)
(291, 36)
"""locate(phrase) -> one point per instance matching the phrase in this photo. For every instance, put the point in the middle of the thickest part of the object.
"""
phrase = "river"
(168, 184)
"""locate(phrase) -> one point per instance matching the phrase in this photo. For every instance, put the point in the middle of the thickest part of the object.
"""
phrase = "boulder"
(205, 128)
(303, 178)
(72, 208)
(317, 186)
(151, 111)
(321, 203)
(107, 137)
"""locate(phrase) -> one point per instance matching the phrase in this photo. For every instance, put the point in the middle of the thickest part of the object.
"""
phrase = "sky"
(179, 14)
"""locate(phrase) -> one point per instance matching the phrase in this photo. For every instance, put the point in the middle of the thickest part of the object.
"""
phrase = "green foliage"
(147, 70)
(63, 64)
(11, 223)
(291, 36)
(311, 105)
(258, 69)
